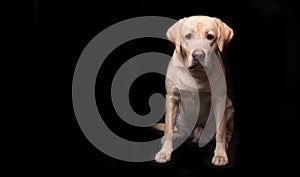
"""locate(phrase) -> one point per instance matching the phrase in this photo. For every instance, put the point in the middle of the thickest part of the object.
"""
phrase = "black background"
(262, 62)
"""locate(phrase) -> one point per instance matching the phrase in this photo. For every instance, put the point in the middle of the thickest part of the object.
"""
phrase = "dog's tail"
(159, 126)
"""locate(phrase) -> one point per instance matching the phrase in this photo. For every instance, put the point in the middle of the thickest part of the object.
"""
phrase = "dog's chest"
(195, 95)
(185, 80)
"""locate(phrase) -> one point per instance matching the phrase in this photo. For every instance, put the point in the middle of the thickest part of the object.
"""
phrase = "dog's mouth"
(195, 66)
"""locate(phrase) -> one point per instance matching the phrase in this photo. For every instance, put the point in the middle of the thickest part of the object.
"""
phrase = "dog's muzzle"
(198, 57)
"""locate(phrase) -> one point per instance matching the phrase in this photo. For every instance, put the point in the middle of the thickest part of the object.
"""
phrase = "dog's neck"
(199, 77)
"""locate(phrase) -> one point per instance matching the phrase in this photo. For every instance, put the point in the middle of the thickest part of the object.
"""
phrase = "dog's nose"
(198, 55)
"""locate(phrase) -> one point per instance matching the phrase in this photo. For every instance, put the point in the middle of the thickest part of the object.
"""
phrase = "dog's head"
(195, 37)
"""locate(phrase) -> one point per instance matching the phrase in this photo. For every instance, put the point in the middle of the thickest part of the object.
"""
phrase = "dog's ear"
(173, 33)
(225, 34)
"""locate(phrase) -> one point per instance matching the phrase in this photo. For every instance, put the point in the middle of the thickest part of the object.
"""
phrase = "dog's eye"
(188, 36)
(210, 37)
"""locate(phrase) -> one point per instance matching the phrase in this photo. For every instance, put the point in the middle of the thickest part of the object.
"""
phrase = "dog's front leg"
(172, 104)
(220, 155)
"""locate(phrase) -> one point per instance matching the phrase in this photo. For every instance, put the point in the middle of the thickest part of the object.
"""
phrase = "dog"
(190, 57)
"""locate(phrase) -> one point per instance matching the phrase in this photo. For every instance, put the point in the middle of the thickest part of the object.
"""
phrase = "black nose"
(198, 55)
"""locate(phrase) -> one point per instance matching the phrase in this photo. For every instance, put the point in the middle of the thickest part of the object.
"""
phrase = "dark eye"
(188, 36)
(210, 37)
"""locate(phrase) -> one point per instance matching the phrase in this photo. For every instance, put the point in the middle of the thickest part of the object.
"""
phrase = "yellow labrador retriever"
(192, 57)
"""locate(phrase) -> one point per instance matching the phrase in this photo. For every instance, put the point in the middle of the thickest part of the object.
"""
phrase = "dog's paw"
(163, 156)
(220, 158)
